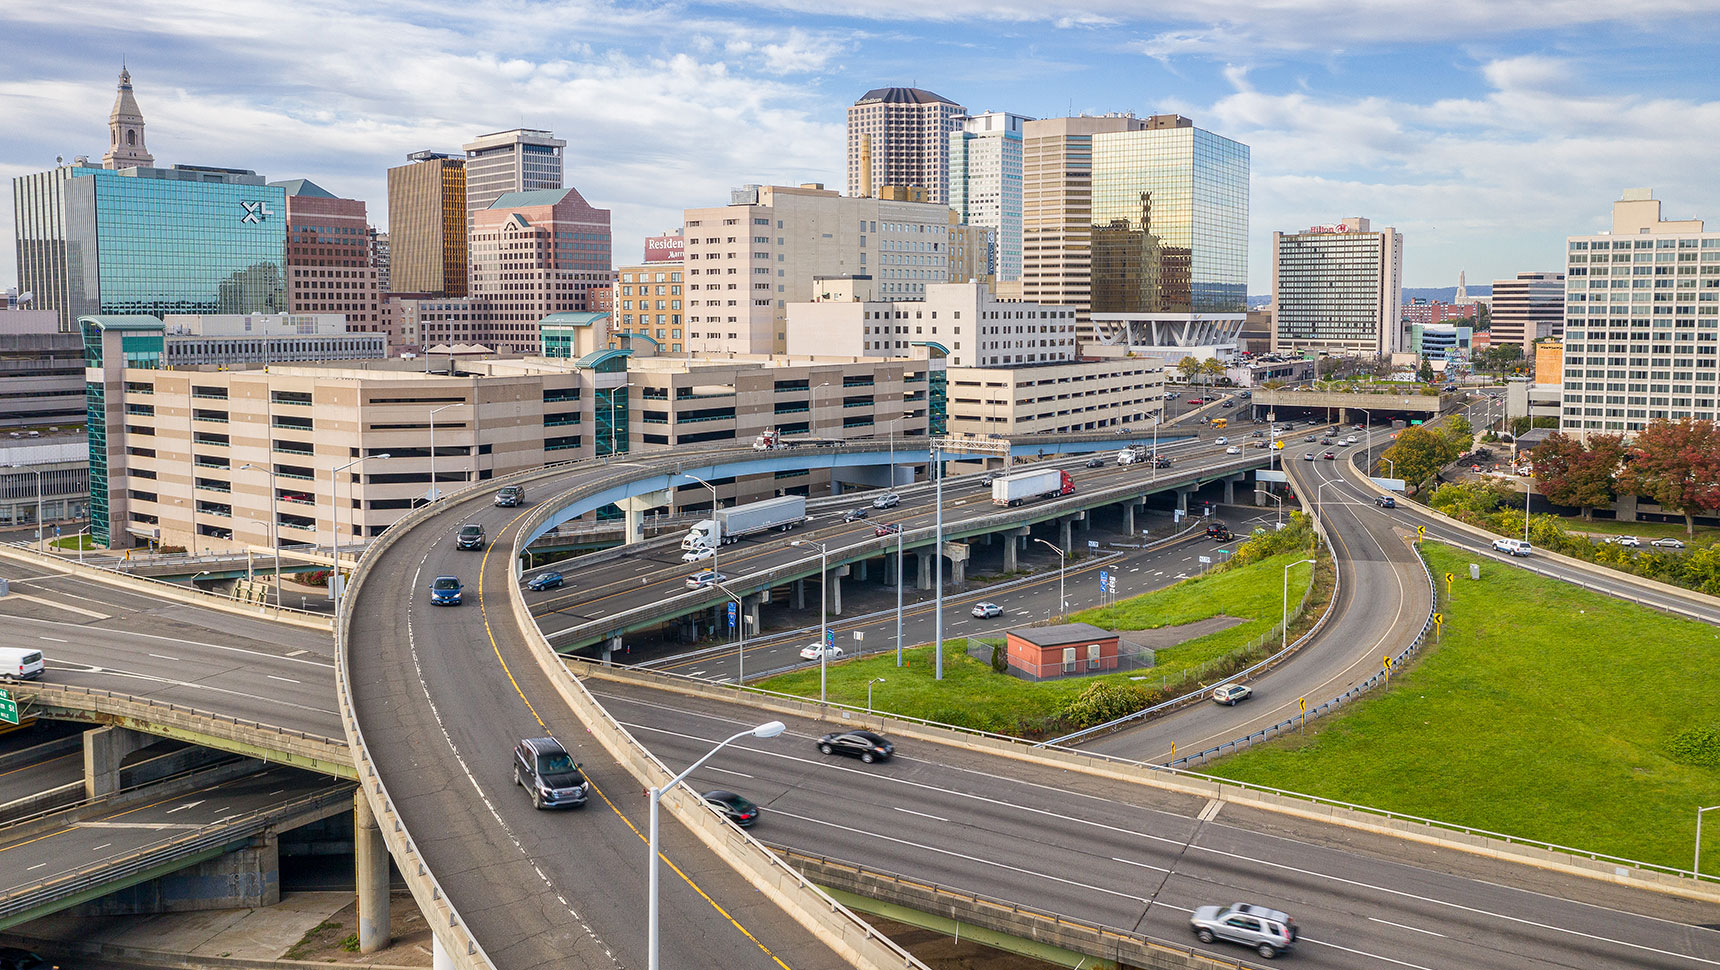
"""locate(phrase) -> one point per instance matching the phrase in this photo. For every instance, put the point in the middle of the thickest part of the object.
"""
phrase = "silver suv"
(1268, 931)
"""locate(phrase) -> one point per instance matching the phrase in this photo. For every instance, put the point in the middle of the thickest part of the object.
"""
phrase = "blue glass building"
(181, 240)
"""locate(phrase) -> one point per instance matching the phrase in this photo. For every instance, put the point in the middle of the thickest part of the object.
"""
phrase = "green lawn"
(1548, 712)
(74, 542)
(973, 695)
(1705, 535)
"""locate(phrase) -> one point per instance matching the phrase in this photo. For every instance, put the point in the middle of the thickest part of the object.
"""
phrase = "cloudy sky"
(1485, 130)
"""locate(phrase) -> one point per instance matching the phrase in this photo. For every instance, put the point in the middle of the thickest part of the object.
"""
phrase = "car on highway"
(868, 746)
(989, 478)
(470, 537)
(854, 515)
(1229, 404)
(1307, 456)
(887, 529)
(813, 651)
(888, 500)
(1266, 931)
(21, 663)
(1232, 694)
(699, 553)
(733, 807)
(1352, 439)
(1668, 543)
(1331, 456)
(510, 496)
(1310, 440)
(1260, 444)
(1631, 541)
(1097, 461)
(986, 611)
(1386, 502)
(445, 591)
(1195, 401)
(545, 769)
(1326, 441)
(1233, 450)
(1515, 547)
(1221, 440)
(1258, 434)
(706, 578)
(545, 580)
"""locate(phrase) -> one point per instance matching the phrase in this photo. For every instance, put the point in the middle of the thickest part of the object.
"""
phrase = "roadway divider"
(160, 589)
(222, 732)
(1125, 947)
(838, 927)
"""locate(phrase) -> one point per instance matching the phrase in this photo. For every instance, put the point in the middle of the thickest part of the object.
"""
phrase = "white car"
(1233, 450)
(813, 651)
(1515, 547)
(1668, 543)
(706, 578)
(986, 611)
(1631, 541)
(694, 555)
(1221, 440)
(1232, 693)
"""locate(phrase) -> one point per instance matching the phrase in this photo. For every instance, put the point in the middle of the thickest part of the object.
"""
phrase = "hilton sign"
(664, 249)
(1340, 227)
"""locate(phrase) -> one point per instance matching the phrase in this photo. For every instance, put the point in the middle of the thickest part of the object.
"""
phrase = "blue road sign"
(1104, 578)
(829, 637)
(734, 614)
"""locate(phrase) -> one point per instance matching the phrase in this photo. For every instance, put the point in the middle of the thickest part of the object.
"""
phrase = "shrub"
(1103, 701)
(1000, 657)
(1696, 745)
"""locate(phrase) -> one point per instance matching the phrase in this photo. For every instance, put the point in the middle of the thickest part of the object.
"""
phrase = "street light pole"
(274, 529)
(741, 621)
(717, 539)
(1062, 560)
(769, 729)
(435, 493)
(899, 531)
(1284, 622)
(823, 611)
(938, 559)
(334, 526)
(869, 683)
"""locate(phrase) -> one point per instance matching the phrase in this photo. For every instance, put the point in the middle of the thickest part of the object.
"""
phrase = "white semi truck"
(727, 525)
(1027, 486)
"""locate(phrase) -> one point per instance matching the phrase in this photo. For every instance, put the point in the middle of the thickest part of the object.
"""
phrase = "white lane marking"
(1143, 865)
(287, 679)
(52, 639)
(184, 807)
(98, 848)
(35, 867)
(158, 656)
(726, 771)
(1402, 926)
(935, 818)
(1457, 906)
(963, 856)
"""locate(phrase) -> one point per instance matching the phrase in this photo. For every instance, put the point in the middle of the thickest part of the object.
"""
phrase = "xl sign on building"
(664, 249)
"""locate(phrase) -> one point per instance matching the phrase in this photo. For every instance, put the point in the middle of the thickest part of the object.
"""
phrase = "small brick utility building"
(1065, 650)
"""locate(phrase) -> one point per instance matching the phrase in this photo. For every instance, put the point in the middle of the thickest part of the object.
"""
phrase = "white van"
(20, 663)
(1515, 547)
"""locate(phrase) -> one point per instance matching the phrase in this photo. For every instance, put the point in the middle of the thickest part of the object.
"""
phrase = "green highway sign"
(5, 695)
(9, 711)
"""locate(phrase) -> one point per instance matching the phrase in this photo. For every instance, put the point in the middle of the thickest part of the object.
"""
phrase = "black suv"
(470, 537)
(544, 768)
(865, 745)
(509, 496)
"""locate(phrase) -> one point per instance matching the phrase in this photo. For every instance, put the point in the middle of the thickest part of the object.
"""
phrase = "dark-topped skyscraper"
(901, 136)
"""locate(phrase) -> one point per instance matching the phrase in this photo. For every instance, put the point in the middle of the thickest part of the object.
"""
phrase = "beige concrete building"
(1057, 207)
(900, 136)
(966, 320)
(649, 301)
(1095, 393)
(1338, 289)
(1528, 308)
(746, 261)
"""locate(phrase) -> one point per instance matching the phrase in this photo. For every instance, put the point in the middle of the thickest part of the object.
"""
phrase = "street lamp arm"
(708, 756)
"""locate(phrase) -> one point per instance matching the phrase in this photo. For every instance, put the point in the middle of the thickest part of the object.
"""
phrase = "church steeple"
(125, 130)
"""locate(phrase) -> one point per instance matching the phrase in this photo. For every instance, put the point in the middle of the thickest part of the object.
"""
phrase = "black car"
(510, 496)
(854, 515)
(735, 808)
(470, 537)
(865, 745)
(1386, 502)
(544, 768)
(1096, 462)
(545, 580)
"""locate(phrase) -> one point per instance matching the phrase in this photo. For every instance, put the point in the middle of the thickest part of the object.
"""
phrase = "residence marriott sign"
(664, 249)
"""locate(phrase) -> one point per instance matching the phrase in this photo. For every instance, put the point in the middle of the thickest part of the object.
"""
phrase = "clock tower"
(125, 127)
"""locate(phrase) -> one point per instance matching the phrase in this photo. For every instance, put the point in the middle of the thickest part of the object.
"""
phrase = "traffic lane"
(543, 862)
(983, 831)
(41, 775)
(27, 860)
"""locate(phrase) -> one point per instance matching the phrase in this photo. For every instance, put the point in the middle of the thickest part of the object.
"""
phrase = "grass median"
(1546, 712)
(972, 694)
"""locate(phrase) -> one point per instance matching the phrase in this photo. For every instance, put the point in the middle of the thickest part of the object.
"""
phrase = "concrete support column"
(754, 607)
(835, 486)
(370, 864)
(1063, 530)
(609, 647)
(1230, 491)
(835, 582)
(440, 959)
(924, 559)
(104, 749)
(862, 576)
(1182, 498)
(799, 594)
(1009, 549)
(958, 571)
(1129, 518)
(635, 525)
(889, 576)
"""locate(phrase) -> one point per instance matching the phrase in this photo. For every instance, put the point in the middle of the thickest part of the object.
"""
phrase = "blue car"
(445, 591)
(543, 581)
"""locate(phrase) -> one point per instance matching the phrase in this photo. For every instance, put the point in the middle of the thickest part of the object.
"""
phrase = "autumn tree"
(1189, 368)
(1677, 465)
(1584, 474)
(1418, 454)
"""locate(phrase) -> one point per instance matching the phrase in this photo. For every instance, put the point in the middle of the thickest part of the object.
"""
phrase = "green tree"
(1418, 454)
(1189, 368)
(1424, 373)
(1677, 465)
(1212, 368)
(1572, 472)
(1459, 431)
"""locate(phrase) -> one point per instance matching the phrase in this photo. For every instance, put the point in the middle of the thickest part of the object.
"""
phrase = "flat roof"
(1061, 634)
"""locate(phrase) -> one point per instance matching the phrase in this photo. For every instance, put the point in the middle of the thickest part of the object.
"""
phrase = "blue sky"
(1483, 140)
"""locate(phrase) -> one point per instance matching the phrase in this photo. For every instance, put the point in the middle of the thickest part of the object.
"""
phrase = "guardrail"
(1126, 947)
(244, 736)
(223, 771)
(93, 876)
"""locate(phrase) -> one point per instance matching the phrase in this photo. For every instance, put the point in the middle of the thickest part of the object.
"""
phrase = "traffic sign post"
(1439, 620)
(1388, 663)
(734, 615)
(1448, 578)
(1302, 703)
(1420, 532)
(829, 638)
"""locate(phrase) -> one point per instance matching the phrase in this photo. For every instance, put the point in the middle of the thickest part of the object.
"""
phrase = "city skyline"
(1495, 147)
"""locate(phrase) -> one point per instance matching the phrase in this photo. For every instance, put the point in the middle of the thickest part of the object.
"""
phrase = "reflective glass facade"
(1170, 222)
(142, 243)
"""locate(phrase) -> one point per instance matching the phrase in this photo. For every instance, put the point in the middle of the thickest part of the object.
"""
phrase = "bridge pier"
(862, 565)
(104, 749)
(1230, 489)
(634, 508)
(958, 553)
(370, 864)
(834, 578)
(1129, 517)
(1183, 492)
(799, 594)
(439, 958)
(890, 568)
(248, 877)
(924, 559)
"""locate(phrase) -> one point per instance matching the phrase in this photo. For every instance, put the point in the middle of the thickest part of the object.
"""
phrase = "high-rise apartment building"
(427, 225)
(985, 184)
(1338, 289)
(1141, 220)
(746, 261)
(900, 136)
(379, 256)
(648, 301)
(1642, 321)
(533, 254)
(328, 257)
(1528, 308)
(520, 160)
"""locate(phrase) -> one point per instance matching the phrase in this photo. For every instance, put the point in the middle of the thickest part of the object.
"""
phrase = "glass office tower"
(180, 240)
(1170, 220)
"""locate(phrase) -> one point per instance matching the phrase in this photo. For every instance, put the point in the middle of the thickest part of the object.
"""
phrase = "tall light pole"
(1696, 864)
(741, 621)
(274, 529)
(618, 387)
(823, 610)
(435, 493)
(937, 453)
(1062, 560)
(1276, 498)
(899, 531)
(769, 729)
(1320, 498)
(717, 537)
(869, 683)
(1284, 622)
(334, 524)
